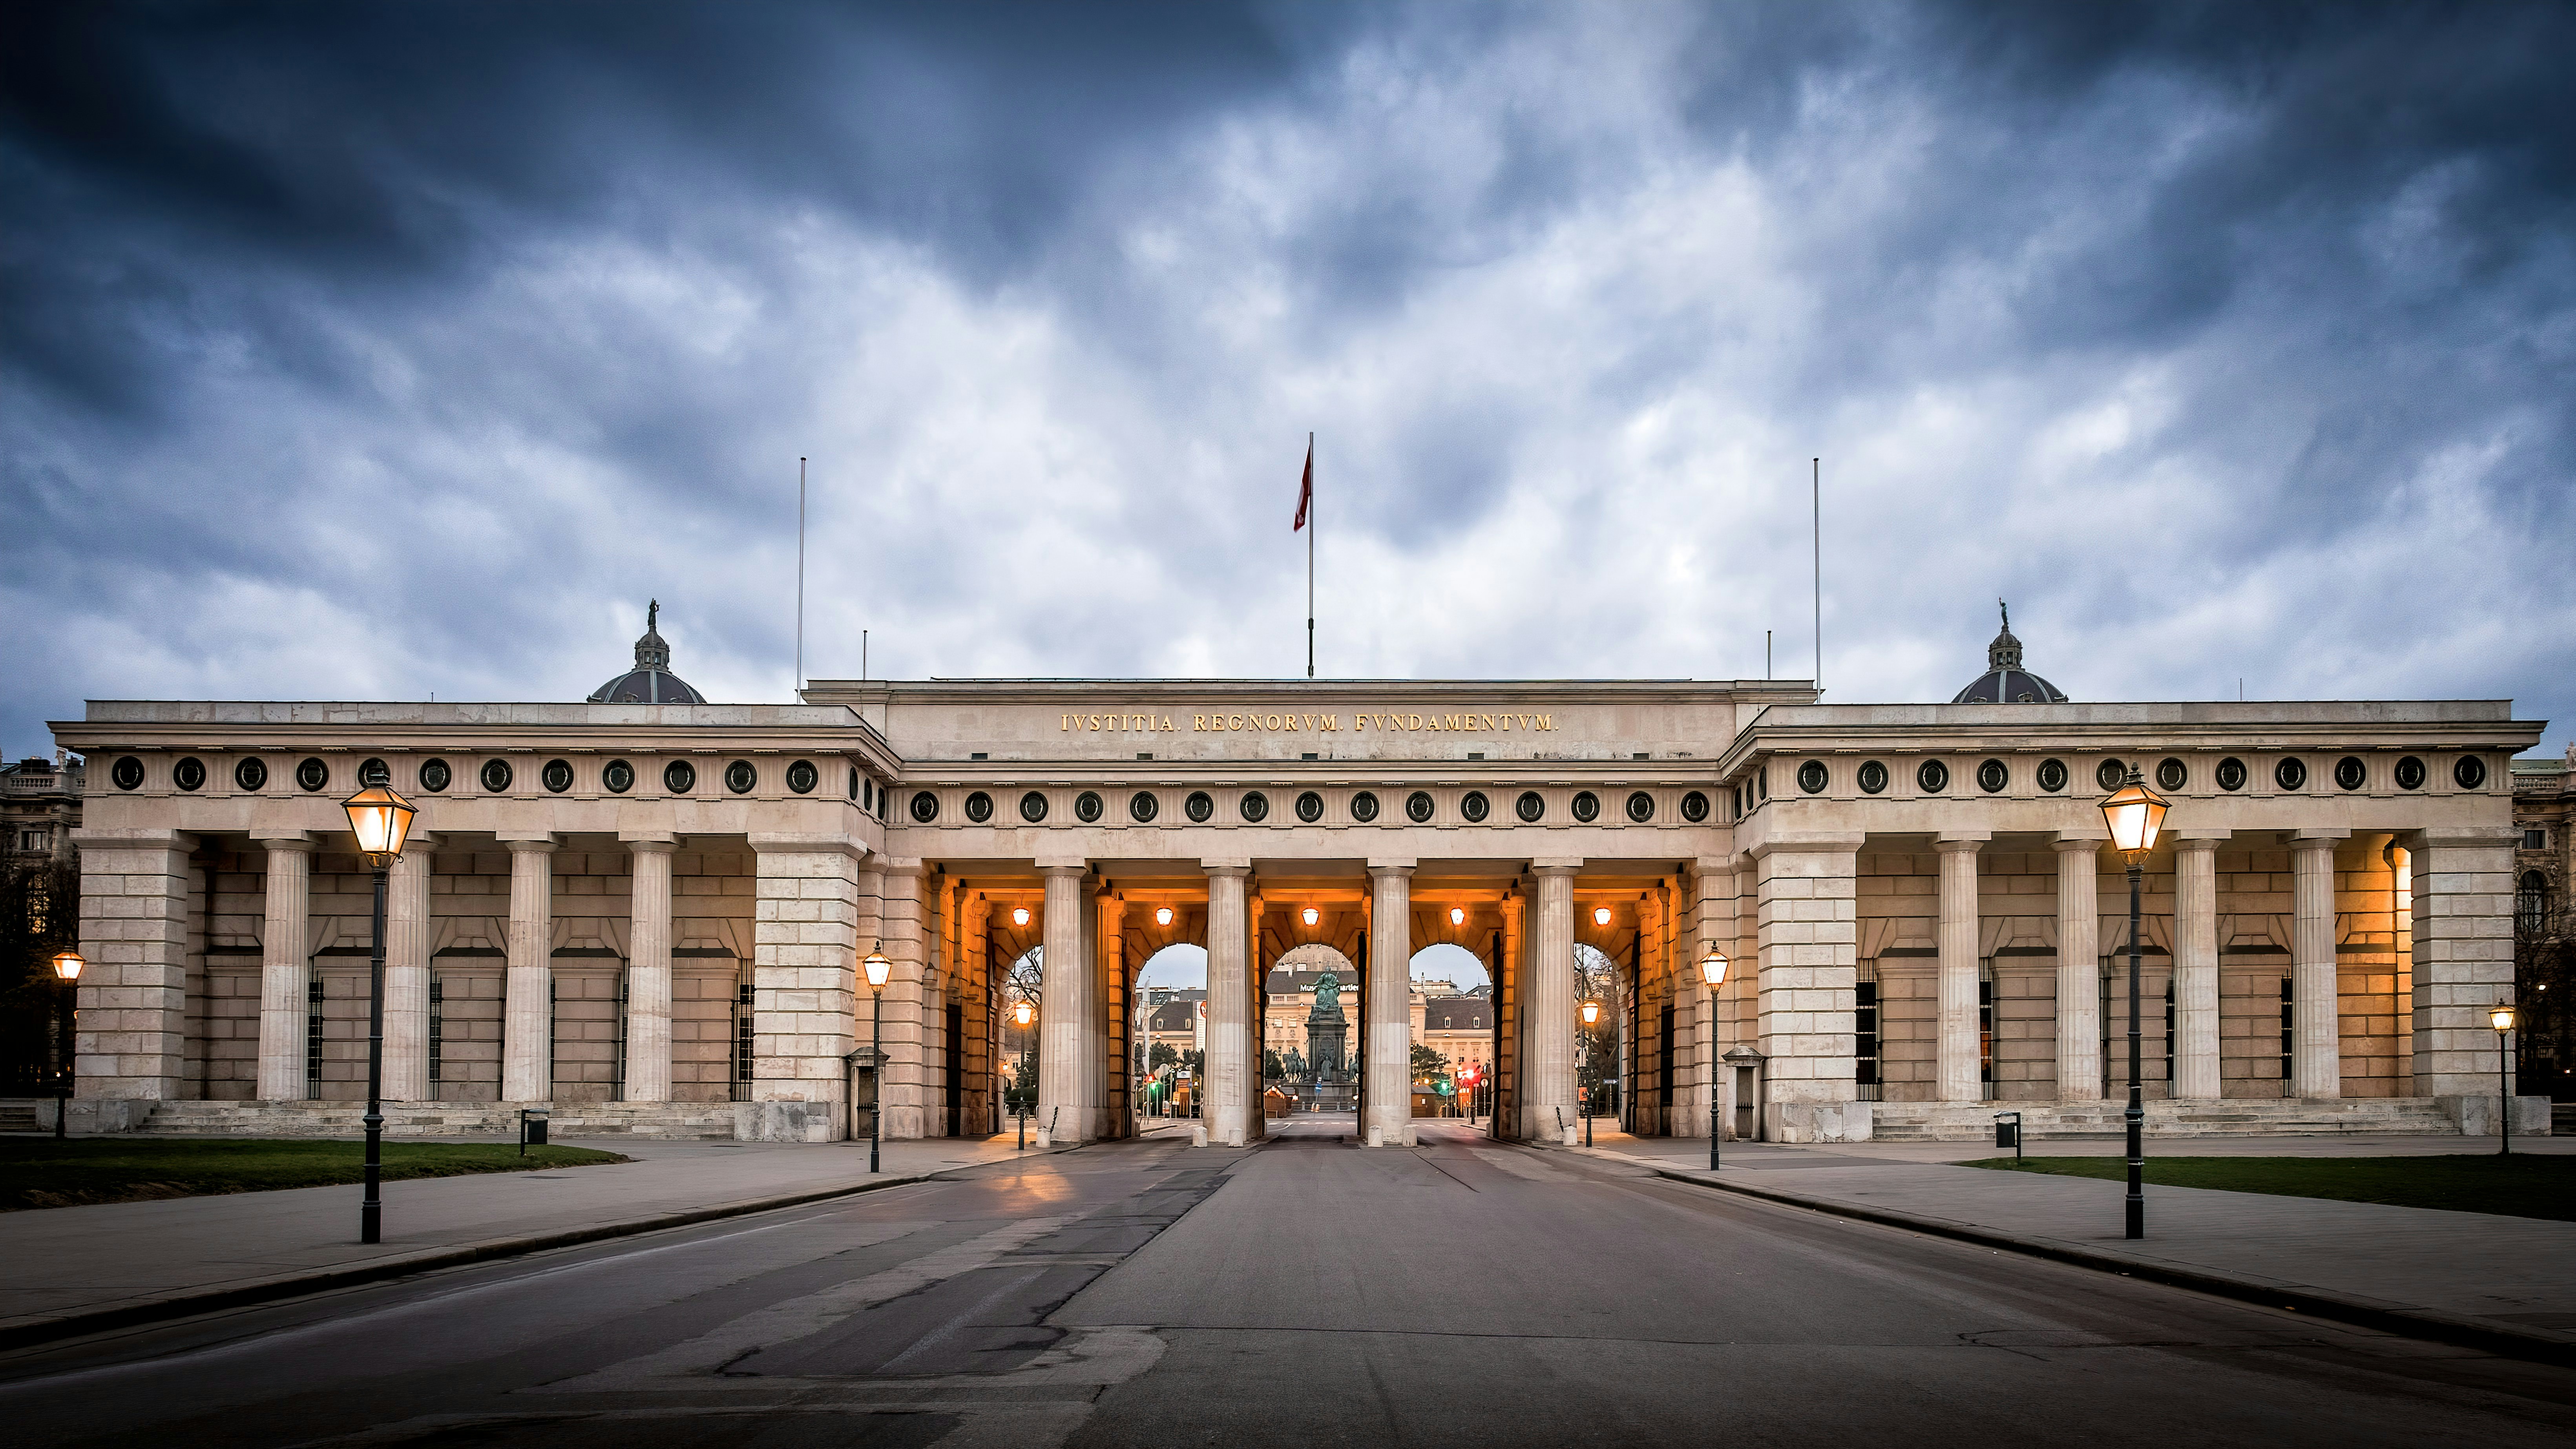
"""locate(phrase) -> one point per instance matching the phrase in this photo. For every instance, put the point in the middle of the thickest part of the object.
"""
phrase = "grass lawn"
(40, 1172)
(2517, 1186)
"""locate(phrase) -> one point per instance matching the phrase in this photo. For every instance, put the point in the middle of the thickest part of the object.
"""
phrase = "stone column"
(2079, 969)
(527, 1007)
(407, 971)
(908, 1072)
(804, 966)
(2195, 1045)
(1064, 1011)
(1549, 1103)
(1389, 1122)
(283, 966)
(2461, 882)
(1117, 1113)
(1955, 1054)
(1808, 927)
(130, 1042)
(1229, 1017)
(648, 974)
(2316, 1068)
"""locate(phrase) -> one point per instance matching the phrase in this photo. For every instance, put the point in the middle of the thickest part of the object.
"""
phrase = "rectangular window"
(617, 1066)
(1986, 1029)
(313, 1038)
(742, 1043)
(437, 1033)
(1865, 1039)
(2531, 840)
(2289, 1016)
(2169, 1035)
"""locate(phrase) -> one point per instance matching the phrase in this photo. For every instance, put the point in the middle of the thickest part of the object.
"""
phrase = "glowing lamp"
(2134, 813)
(1162, 915)
(1600, 915)
(1310, 915)
(1591, 1012)
(2502, 1016)
(1019, 915)
(1457, 915)
(1712, 968)
(1023, 1013)
(67, 965)
(877, 967)
(381, 820)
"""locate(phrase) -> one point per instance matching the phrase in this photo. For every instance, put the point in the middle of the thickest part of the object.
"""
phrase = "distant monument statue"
(1327, 1031)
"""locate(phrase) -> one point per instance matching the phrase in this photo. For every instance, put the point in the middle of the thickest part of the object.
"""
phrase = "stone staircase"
(19, 1115)
(2284, 1117)
(685, 1121)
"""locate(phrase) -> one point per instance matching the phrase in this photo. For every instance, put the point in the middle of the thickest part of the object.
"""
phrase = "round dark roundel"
(1310, 806)
(1142, 807)
(2351, 773)
(1641, 806)
(1695, 807)
(925, 806)
(2290, 774)
(376, 772)
(1200, 807)
(2470, 772)
(2410, 773)
(1586, 806)
(2172, 774)
(618, 776)
(189, 774)
(740, 776)
(1933, 776)
(1087, 806)
(802, 777)
(252, 773)
(2231, 773)
(558, 775)
(1992, 776)
(1364, 806)
(127, 772)
(979, 807)
(2111, 775)
(1475, 807)
(1873, 777)
(2051, 775)
(1811, 776)
(1530, 806)
(1033, 806)
(1417, 807)
(679, 777)
(435, 775)
(1255, 806)
(312, 774)
(496, 776)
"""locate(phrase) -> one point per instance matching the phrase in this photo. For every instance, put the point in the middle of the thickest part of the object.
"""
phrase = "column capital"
(539, 845)
(1713, 865)
(655, 845)
(1557, 866)
(2066, 844)
(2313, 837)
(284, 840)
(1063, 866)
(1382, 869)
(2198, 844)
(1808, 842)
(2460, 837)
(1956, 845)
(1234, 869)
(766, 843)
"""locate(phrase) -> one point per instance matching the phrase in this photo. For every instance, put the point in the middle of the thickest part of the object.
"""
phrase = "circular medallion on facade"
(1087, 806)
(1992, 775)
(557, 775)
(2051, 775)
(979, 807)
(127, 772)
(925, 806)
(2172, 774)
(740, 776)
(2231, 773)
(1530, 806)
(252, 773)
(1811, 776)
(375, 772)
(1417, 807)
(679, 777)
(618, 776)
(435, 775)
(2410, 773)
(802, 777)
(189, 774)
(2111, 774)
(1932, 777)
(1872, 777)
(312, 774)
(1475, 807)
(1033, 806)
(2470, 772)
(1310, 806)
(1364, 806)
(1200, 807)
(2290, 774)
(1142, 807)
(496, 776)
(1694, 807)
(2351, 773)
(1254, 806)
(1586, 806)
(1641, 806)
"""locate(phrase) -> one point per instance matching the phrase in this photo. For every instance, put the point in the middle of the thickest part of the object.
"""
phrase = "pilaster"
(2462, 888)
(1807, 924)
(804, 992)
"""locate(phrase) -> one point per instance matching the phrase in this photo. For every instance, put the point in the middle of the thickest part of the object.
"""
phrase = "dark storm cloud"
(382, 349)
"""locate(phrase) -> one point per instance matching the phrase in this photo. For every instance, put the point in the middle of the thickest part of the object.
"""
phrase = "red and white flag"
(1305, 490)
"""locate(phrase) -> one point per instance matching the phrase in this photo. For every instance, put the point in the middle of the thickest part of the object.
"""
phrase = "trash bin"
(2008, 1131)
(532, 1127)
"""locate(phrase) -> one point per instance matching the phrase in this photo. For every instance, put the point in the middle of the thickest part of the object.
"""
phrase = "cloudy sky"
(377, 352)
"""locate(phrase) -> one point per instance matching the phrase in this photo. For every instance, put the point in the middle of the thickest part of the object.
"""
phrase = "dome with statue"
(2005, 681)
(651, 680)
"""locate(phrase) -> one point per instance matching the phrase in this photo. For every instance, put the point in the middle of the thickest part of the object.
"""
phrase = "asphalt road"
(1306, 1293)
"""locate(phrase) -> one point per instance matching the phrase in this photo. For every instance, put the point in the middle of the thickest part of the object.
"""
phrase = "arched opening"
(1601, 992)
(1169, 1059)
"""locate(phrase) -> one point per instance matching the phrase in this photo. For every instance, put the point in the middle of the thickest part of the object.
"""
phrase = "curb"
(2315, 1302)
(29, 1332)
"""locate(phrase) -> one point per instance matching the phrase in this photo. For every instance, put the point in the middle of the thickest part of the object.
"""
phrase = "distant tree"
(39, 915)
(1272, 1069)
(1163, 1057)
(1428, 1063)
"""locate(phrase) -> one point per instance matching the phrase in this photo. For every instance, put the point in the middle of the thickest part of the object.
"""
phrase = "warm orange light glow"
(1712, 968)
(1162, 915)
(382, 821)
(1457, 915)
(1310, 915)
(68, 964)
(1591, 1012)
(1019, 915)
(2502, 1017)
(1024, 1013)
(1600, 915)
(878, 968)
(2135, 814)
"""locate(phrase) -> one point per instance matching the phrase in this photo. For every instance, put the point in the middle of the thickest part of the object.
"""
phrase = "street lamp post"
(1591, 1015)
(67, 970)
(1022, 1013)
(878, 969)
(2502, 1019)
(2135, 813)
(1712, 969)
(381, 820)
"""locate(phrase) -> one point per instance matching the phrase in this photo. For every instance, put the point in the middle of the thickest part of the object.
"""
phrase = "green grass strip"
(40, 1172)
(2523, 1185)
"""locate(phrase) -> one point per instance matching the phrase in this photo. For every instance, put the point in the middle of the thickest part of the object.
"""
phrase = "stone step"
(685, 1121)
(2287, 1117)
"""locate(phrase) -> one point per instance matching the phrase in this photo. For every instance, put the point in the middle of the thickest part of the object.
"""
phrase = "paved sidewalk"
(70, 1270)
(2452, 1275)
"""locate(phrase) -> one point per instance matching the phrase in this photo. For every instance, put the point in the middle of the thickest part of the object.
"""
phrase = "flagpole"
(1311, 526)
(800, 577)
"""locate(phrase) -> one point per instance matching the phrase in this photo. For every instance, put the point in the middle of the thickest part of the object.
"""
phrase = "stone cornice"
(1177, 693)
